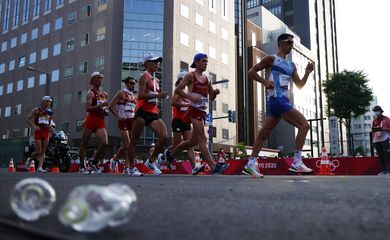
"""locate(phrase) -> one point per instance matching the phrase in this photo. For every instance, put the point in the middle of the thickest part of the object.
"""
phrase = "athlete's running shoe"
(153, 167)
(135, 172)
(168, 157)
(252, 171)
(220, 168)
(197, 170)
(300, 167)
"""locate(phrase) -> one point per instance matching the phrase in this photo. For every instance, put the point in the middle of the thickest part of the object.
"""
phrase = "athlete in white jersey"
(123, 106)
(281, 72)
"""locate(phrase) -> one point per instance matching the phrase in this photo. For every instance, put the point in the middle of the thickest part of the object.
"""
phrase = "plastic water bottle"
(32, 198)
(91, 208)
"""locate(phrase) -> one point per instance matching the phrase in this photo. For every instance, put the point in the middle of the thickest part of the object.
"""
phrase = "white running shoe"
(300, 167)
(126, 170)
(252, 171)
(41, 170)
(27, 164)
(153, 167)
(135, 172)
(197, 170)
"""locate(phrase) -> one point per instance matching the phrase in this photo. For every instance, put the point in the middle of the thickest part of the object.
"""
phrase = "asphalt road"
(224, 207)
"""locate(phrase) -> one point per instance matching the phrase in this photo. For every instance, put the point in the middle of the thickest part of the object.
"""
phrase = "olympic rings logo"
(333, 164)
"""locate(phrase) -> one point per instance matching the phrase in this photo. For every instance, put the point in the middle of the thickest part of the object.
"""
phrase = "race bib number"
(183, 109)
(43, 120)
(284, 80)
(153, 100)
(129, 107)
(100, 101)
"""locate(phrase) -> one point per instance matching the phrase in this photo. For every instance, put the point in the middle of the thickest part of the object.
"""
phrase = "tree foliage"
(347, 94)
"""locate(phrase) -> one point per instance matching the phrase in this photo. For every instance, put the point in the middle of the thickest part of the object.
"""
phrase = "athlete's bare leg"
(297, 119)
(268, 125)
(158, 126)
(85, 136)
(101, 135)
(136, 131)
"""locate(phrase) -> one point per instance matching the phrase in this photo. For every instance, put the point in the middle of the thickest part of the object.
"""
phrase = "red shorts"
(93, 122)
(42, 134)
(125, 124)
(196, 114)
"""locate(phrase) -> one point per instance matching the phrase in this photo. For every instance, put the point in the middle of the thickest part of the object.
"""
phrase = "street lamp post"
(210, 132)
(47, 74)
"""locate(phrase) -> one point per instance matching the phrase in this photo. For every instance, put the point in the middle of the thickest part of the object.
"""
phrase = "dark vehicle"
(57, 153)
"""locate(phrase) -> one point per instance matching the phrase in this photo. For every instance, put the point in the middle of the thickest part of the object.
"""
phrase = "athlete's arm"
(141, 91)
(177, 103)
(30, 118)
(301, 82)
(179, 90)
(213, 92)
(265, 63)
(114, 102)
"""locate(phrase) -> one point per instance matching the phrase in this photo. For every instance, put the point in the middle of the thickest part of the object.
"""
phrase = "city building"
(51, 47)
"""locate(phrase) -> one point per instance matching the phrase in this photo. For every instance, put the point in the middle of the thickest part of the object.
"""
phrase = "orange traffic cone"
(11, 168)
(31, 169)
(325, 164)
(55, 169)
(117, 168)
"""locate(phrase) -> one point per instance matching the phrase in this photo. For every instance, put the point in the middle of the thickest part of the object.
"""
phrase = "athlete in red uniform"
(147, 112)
(40, 119)
(97, 102)
(123, 107)
(199, 89)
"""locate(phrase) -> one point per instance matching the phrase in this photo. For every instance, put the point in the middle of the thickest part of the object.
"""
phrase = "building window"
(224, 8)
(55, 75)
(225, 133)
(85, 40)
(7, 111)
(10, 87)
(212, 5)
(59, 3)
(67, 100)
(79, 125)
(254, 38)
(71, 17)
(212, 77)
(100, 34)
(42, 79)
(65, 127)
(68, 72)
(45, 29)
(1, 90)
(22, 61)
(225, 108)
(199, 19)
(13, 42)
(70, 45)
(198, 45)
(183, 66)
(212, 27)
(19, 85)
(26, 10)
(15, 18)
(47, 6)
(86, 11)
(11, 65)
(214, 105)
(56, 49)
(30, 82)
(99, 63)
(33, 57)
(4, 46)
(2, 67)
(34, 33)
(212, 52)
(58, 24)
(82, 96)
(18, 109)
(7, 14)
(44, 53)
(224, 34)
(224, 58)
(23, 38)
(102, 5)
(83, 67)
(184, 11)
(184, 39)
(214, 132)
(36, 7)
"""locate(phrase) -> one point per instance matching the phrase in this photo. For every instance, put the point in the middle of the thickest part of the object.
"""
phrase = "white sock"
(297, 156)
(251, 161)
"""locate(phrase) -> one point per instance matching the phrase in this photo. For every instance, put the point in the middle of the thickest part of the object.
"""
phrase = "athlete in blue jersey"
(280, 73)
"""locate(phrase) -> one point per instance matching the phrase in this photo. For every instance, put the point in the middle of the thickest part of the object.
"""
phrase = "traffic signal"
(230, 116)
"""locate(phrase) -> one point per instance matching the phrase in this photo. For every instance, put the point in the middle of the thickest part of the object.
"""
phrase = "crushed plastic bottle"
(32, 198)
(91, 208)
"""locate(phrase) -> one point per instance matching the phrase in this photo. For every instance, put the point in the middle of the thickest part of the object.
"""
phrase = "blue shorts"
(276, 106)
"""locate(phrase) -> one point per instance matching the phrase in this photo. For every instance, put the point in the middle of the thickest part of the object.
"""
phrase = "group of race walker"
(193, 90)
